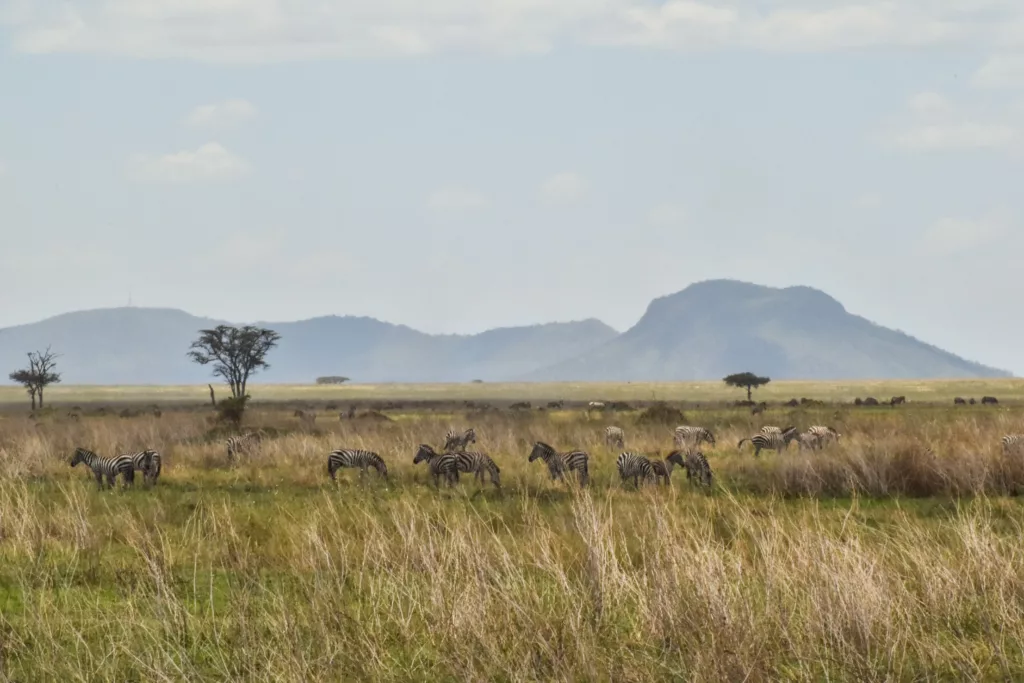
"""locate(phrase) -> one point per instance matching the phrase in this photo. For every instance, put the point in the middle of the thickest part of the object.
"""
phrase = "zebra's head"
(79, 456)
(425, 452)
(676, 458)
(540, 450)
(709, 437)
(470, 436)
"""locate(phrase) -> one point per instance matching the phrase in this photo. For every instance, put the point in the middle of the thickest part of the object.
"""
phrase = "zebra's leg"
(99, 479)
(111, 479)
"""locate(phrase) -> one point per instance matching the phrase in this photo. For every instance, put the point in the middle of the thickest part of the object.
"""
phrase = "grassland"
(942, 391)
(896, 555)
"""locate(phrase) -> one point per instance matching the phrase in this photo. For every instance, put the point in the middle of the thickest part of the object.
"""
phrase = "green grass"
(893, 556)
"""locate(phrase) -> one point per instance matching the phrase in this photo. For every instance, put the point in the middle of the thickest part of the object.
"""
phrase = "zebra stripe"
(439, 464)
(614, 437)
(148, 462)
(771, 442)
(808, 441)
(824, 434)
(692, 436)
(458, 441)
(479, 465)
(1013, 443)
(635, 466)
(249, 442)
(663, 468)
(106, 467)
(558, 463)
(355, 458)
(697, 469)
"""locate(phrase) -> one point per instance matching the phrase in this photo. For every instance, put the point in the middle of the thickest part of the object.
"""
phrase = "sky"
(459, 165)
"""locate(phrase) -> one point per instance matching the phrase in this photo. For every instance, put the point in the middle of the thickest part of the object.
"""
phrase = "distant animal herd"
(454, 459)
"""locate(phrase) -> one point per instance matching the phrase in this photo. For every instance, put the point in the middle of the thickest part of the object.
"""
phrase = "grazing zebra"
(439, 464)
(635, 466)
(614, 437)
(558, 463)
(825, 434)
(458, 441)
(692, 436)
(355, 458)
(697, 468)
(768, 429)
(772, 441)
(243, 443)
(663, 468)
(479, 465)
(148, 462)
(106, 467)
(1013, 443)
(595, 405)
(808, 441)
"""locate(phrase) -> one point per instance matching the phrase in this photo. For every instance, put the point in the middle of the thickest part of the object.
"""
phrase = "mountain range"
(708, 330)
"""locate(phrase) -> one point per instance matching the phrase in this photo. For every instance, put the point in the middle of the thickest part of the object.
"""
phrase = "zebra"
(772, 441)
(768, 429)
(106, 467)
(558, 463)
(439, 463)
(697, 468)
(632, 465)
(808, 441)
(243, 443)
(663, 468)
(479, 465)
(148, 462)
(1013, 443)
(458, 441)
(824, 434)
(692, 436)
(614, 436)
(355, 458)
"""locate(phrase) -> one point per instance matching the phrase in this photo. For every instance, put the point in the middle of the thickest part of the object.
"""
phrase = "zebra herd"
(126, 464)
(454, 458)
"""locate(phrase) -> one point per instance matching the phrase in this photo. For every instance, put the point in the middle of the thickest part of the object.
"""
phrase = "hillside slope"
(718, 327)
(148, 346)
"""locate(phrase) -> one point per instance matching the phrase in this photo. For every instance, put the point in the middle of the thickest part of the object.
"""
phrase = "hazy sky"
(462, 164)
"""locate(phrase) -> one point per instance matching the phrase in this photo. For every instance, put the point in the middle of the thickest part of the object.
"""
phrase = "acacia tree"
(236, 353)
(39, 374)
(747, 380)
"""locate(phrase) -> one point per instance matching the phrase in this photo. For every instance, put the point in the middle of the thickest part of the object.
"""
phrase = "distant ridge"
(705, 331)
(717, 327)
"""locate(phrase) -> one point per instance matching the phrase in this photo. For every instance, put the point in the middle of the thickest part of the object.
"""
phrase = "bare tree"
(40, 373)
(236, 353)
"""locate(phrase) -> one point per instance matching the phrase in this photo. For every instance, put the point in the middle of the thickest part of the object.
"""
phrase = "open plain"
(894, 554)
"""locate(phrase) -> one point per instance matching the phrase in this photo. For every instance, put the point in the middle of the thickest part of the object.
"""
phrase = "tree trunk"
(40, 398)
(213, 397)
(32, 395)
(748, 393)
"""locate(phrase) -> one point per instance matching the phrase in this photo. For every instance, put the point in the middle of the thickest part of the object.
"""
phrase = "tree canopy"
(236, 353)
(39, 374)
(747, 380)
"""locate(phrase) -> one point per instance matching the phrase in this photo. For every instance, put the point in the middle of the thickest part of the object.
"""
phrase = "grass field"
(895, 555)
(917, 390)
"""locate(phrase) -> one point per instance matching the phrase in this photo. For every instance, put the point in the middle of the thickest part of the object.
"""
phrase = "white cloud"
(956, 235)
(564, 188)
(927, 103)
(963, 135)
(1001, 71)
(455, 199)
(210, 162)
(221, 114)
(667, 215)
(935, 124)
(276, 30)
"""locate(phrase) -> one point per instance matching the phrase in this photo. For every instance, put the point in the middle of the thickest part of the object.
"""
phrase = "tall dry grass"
(263, 571)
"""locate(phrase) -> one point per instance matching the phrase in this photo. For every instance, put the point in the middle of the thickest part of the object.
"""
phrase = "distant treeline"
(331, 379)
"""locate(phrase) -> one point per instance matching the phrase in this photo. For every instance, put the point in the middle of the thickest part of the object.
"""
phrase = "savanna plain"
(895, 554)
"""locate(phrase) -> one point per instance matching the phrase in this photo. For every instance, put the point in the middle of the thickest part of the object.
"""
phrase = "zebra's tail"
(742, 441)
